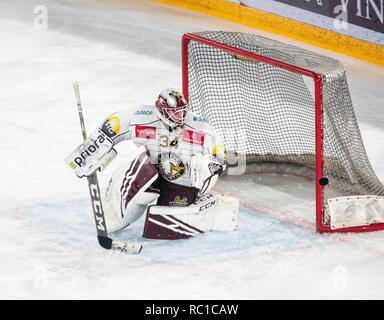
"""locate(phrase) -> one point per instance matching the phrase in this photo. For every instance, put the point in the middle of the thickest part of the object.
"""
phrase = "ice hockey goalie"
(169, 176)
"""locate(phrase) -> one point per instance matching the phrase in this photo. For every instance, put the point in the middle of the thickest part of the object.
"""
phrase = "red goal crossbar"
(319, 111)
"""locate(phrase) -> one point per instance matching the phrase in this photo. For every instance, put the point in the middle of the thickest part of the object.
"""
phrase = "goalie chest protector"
(170, 150)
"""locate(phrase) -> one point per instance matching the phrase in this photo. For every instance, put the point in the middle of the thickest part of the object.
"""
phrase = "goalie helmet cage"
(283, 107)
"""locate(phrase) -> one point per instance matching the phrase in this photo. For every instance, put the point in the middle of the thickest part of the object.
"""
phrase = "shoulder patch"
(198, 123)
(144, 115)
(200, 119)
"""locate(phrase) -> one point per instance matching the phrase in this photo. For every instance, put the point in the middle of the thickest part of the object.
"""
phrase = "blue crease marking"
(69, 222)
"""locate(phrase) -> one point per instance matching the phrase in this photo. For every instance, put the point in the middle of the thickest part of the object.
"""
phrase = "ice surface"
(123, 54)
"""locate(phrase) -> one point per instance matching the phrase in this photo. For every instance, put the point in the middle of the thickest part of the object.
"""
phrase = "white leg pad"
(225, 214)
(210, 213)
(126, 197)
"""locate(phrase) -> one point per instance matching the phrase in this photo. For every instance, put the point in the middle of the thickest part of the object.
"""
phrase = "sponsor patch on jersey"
(145, 132)
(111, 126)
(200, 119)
(171, 167)
(143, 113)
(193, 137)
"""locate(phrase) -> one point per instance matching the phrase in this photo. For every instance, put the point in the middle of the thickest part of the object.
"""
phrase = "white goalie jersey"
(176, 167)
(171, 150)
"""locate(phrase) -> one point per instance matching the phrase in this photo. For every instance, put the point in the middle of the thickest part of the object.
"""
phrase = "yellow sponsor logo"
(111, 126)
(115, 124)
(219, 150)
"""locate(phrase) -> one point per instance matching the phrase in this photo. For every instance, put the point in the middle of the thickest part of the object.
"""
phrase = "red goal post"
(210, 39)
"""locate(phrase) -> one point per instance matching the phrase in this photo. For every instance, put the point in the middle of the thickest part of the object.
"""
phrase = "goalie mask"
(171, 107)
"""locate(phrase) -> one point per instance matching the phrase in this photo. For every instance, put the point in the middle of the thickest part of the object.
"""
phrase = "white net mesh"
(268, 113)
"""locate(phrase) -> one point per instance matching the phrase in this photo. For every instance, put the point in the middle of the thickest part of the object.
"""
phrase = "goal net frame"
(321, 181)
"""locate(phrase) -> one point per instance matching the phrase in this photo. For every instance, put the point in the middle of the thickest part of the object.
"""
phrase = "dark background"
(355, 15)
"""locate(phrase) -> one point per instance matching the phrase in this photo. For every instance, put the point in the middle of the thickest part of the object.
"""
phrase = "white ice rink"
(123, 53)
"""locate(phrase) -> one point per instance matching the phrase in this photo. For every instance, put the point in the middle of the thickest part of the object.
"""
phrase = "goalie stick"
(97, 208)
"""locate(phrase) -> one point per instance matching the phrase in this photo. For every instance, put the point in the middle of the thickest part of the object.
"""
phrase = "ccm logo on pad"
(193, 137)
(145, 132)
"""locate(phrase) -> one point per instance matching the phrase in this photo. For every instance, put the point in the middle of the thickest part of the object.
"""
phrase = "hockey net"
(287, 110)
